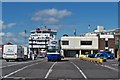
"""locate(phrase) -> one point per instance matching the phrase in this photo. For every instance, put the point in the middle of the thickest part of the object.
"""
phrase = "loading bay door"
(71, 53)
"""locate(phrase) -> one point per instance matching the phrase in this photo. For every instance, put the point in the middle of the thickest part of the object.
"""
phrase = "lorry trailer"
(15, 52)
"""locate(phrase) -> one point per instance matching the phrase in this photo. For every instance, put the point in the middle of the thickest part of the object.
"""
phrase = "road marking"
(20, 70)
(79, 70)
(18, 64)
(114, 64)
(50, 70)
(106, 66)
(9, 65)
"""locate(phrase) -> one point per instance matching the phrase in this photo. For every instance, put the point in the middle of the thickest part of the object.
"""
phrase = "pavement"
(67, 69)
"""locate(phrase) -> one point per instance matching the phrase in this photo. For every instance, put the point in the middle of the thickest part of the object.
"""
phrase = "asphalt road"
(68, 69)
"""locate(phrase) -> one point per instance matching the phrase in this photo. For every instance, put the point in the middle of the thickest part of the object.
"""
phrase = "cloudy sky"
(63, 16)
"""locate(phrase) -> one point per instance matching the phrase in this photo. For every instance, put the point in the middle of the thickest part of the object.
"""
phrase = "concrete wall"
(74, 42)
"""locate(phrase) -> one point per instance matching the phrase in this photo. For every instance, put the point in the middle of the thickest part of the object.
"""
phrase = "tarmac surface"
(67, 69)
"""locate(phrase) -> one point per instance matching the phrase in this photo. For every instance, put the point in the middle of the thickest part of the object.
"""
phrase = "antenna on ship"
(45, 27)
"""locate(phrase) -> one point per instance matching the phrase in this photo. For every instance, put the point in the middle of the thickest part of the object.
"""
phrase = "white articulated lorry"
(53, 51)
(15, 52)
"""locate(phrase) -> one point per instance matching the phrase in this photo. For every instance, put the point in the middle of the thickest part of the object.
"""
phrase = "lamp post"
(25, 37)
(118, 44)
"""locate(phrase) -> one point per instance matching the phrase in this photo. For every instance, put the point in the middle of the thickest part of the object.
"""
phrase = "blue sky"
(63, 16)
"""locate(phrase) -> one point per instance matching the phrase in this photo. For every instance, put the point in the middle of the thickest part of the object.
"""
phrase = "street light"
(25, 37)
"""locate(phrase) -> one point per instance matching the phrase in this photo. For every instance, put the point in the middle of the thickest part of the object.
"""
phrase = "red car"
(43, 53)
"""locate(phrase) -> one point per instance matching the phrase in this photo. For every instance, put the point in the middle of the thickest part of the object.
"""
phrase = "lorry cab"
(10, 52)
(53, 53)
(15, 52)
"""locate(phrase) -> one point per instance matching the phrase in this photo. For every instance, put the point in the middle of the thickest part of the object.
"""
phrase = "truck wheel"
(7, 60)
(19, 60)
(113, 58)
(59, 60)
(25, 58)
(48, 60)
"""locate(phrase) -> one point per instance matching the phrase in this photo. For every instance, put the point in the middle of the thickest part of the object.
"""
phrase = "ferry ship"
(39, 39)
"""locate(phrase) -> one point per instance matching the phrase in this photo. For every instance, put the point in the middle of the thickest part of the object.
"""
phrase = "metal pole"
(25, 37)
(118, 44)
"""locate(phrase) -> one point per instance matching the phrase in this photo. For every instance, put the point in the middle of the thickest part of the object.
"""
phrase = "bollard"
(92, 60)
(101, 61)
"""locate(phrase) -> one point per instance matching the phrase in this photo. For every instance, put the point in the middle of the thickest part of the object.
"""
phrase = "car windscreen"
(100, 55)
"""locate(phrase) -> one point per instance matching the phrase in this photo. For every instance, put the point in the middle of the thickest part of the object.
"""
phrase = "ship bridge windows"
(32, 32)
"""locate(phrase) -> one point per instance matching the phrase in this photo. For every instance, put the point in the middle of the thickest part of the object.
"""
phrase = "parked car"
(101, 56)
(43, 53)
(91, 55)
(118, 61)
(108, 54)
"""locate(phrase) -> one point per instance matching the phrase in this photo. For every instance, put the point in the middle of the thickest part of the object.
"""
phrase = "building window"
(106, 43)
(65, 42)
(86, 42)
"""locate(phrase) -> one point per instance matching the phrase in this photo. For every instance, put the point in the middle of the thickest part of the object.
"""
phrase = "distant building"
(89, 43)
(39, 39)
(1, 51)
(73, 46)
(117, 42)
(107, 38)
(100, 29)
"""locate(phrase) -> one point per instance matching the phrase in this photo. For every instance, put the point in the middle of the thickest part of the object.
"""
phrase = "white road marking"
(17, 64)
(106, 66)
(50, 70)
(19, 70)
(10, 65)
(80, 70)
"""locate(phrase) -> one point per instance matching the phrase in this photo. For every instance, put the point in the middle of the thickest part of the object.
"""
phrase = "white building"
(106, 38)
(39, 39)
(73, 46)
(93, 42)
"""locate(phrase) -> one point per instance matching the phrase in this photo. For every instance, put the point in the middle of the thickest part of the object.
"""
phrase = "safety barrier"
(91, 59)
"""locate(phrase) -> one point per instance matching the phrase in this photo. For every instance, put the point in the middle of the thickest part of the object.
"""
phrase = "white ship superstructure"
(39, 39)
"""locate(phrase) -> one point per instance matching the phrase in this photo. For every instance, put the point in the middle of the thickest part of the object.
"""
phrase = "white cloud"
(51, 20)
(8, 37)
(22, 34)
(1, 22)
(51, 15)
(9, 34)
(8, 25)
(15, 38)
(2, 34)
